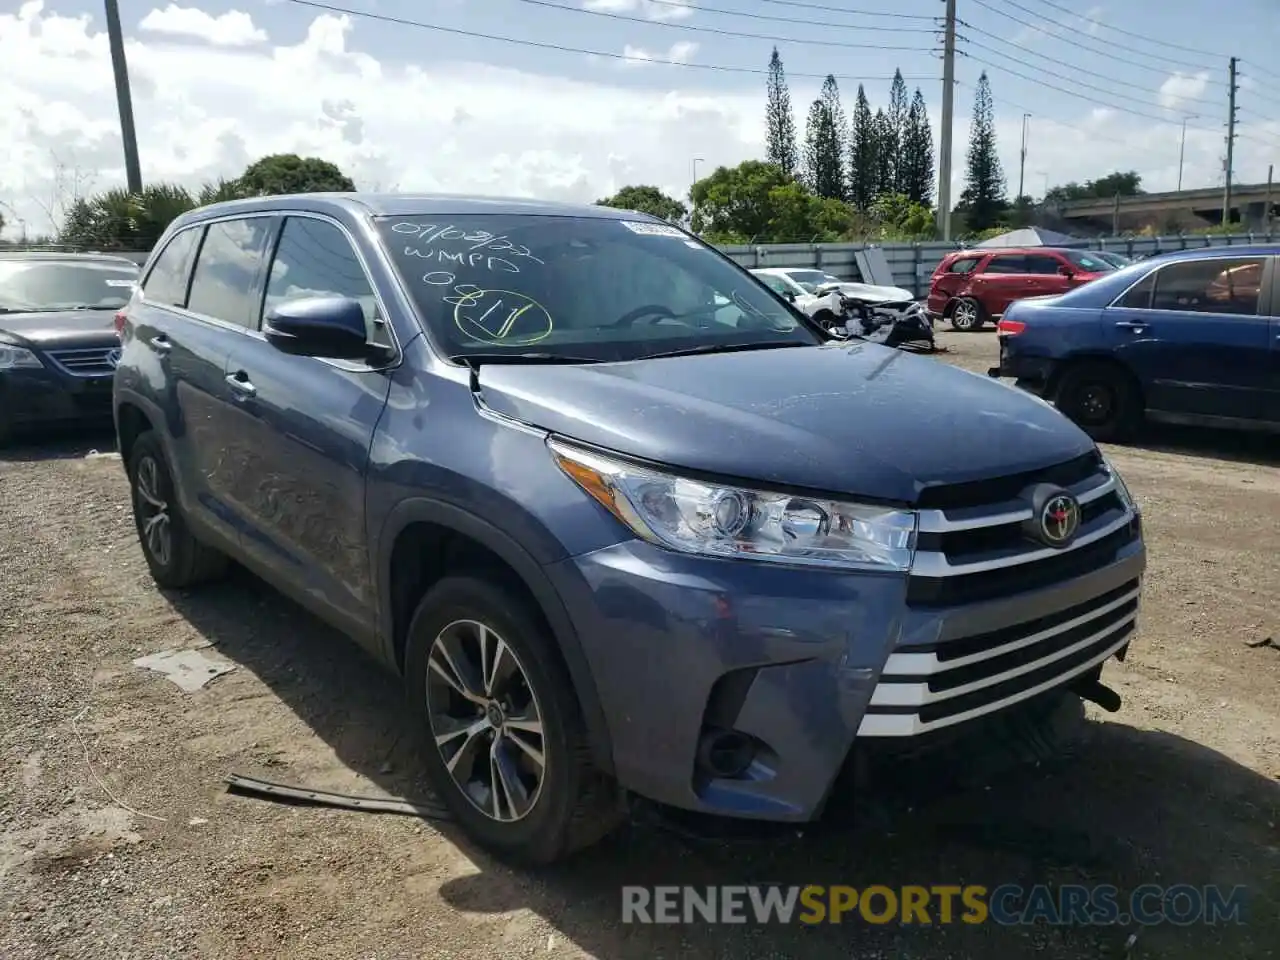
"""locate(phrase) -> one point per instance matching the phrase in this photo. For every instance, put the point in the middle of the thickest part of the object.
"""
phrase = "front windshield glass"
(1088, 261)
(811, 280)
(579, 288)
(34, 286)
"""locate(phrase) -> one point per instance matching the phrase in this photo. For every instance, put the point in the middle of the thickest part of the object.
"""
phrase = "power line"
(805, 5)
(703, 8)
(724, 33)
(1097, 103)
(1078, 41)
(562, 48)
(1071, 79)
(1061, 123)
(1198, 51)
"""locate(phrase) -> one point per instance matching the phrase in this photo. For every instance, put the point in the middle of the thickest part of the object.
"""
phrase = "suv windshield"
(579, 288)
(1088, 261)
(36, 286)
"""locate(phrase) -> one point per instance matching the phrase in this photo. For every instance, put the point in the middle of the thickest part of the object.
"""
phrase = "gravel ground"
(118, 840)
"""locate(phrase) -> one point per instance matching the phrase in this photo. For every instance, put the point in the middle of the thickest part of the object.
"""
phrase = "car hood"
(63, 328)
(857, 419)
(875, 294)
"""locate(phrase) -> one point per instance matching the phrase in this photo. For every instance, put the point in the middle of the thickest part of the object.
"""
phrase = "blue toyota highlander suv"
(624, 521)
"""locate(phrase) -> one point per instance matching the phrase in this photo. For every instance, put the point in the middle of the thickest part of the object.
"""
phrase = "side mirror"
(790, 295)
(330, 327)
(1066, 271)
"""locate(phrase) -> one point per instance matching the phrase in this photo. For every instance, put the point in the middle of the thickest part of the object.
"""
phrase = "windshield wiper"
(478, 358)
(726, 348)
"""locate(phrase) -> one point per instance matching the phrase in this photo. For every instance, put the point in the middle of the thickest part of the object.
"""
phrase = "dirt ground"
(118, 840)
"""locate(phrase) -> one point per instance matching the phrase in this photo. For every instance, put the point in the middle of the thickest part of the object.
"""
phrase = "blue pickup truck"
(1191, 337)
(617, 539)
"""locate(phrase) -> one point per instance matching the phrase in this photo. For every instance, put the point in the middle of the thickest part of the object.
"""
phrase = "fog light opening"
(725, 754)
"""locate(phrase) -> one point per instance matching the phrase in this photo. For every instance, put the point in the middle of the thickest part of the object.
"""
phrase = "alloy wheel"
(964, 316)
(153, 512)
(486, 720)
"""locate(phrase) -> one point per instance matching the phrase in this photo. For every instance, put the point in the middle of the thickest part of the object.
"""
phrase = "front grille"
(972, 551)
(949, 682)
(86, 362)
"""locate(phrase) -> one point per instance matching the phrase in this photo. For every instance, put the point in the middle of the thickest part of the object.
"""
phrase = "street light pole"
(1182, 149)
(1022, 166)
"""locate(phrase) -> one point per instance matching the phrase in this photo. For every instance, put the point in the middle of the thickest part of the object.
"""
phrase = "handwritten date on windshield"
(440, 234)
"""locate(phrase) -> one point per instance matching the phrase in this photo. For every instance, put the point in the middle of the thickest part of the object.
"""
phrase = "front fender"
(468, 524)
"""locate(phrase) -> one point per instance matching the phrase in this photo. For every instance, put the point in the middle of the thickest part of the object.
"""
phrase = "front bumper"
(805, 663)
(35, 397)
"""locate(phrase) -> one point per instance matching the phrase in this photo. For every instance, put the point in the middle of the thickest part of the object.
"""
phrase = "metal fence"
(913, 263)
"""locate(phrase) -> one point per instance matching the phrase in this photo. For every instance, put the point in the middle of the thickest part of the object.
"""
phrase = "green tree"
(886, 152)
(983, 200)
(289, 173)
(1126, 184)
(862, 154)
(733, 203)
(898, 217)
(780, 122)
(916, 161)
(824, 139)
(119, 220)
(647, 199)
(898, 114)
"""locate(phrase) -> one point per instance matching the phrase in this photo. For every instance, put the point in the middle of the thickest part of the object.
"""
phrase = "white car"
(816, 292)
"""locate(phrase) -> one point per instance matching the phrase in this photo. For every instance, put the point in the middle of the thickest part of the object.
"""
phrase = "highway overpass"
(1248, 203)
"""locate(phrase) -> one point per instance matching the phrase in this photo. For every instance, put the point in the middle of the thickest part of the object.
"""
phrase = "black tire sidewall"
(541, 835)
(1121, 421)
(148, 446)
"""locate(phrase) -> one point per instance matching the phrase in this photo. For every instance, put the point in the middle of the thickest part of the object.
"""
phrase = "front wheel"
(506, 746)
(1102, 399)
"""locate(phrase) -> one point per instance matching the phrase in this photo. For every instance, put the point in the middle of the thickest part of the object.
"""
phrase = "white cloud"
(1181, 87)
(231, 29)
(679, 52)
(653, 9)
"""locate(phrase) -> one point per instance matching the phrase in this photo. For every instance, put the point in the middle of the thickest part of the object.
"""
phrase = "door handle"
(1135, 325)
(241, 385)
(161, 344)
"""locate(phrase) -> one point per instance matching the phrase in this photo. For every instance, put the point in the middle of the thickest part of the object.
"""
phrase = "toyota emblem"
(1059, 519)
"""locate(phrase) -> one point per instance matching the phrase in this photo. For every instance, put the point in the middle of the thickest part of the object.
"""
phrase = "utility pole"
(1266, 210)
(1022, 165)
(948, 120)
(115, 39)
(1232, 87)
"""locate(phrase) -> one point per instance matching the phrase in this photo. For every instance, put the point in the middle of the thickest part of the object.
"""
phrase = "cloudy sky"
(217, 83)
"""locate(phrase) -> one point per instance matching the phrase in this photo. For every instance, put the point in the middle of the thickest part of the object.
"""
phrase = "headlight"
(1121, 490)
(706, 518)
(18, 358)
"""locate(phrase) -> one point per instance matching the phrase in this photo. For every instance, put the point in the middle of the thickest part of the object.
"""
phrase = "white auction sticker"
(653, 229)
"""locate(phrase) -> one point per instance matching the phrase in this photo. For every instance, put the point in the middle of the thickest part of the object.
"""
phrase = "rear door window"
(167, 282)
(963, 265)
(225, 283)
(1007, 264)
(1210, 286)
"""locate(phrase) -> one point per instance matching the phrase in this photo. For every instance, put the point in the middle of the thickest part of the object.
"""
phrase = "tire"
(1102, 398)
(183, 561)
(966, 315)
(826, 319)
(552, 809)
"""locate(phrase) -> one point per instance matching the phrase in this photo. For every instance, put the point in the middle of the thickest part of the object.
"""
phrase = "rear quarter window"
(166, 282)
(962, 265)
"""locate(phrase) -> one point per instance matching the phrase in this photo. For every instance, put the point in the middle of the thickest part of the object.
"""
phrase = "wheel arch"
(458, 539)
